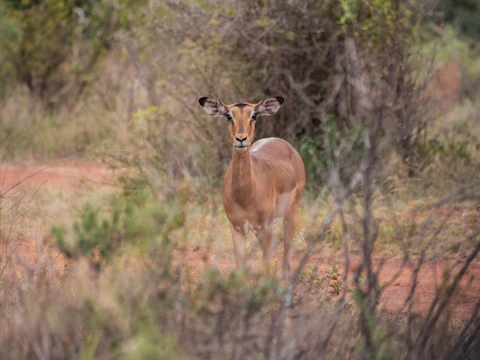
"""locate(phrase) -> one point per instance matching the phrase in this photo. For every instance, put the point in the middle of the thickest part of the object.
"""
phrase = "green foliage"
(315, 58)
(318, 60)
(317, 152)
(11, 33)
(456, 147)
(61, 42)
(311, 282)
(150, 342)
(98, 238)
(449, 150)
(95, 238)
(449, 46)
(463, 15)
(329, 148)
(375, 21)
(301, 55)
(322, 288)
(235, 289)
(335, 280)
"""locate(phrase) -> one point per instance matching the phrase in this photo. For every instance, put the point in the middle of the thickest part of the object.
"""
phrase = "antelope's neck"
(243, 182)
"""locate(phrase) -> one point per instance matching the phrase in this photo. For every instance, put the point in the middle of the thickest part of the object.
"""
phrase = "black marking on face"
(241, 105)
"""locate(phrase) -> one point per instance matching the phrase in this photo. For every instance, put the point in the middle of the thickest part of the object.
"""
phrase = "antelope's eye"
(254, 117)
(229, 118)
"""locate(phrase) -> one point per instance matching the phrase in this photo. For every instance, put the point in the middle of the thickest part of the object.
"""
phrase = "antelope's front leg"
(264, 237)
(238, 238)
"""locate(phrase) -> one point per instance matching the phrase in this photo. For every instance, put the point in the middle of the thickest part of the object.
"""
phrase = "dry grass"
(153, 305)
(167, 289)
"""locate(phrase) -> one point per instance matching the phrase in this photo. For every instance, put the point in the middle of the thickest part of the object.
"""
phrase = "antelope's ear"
(213, 107)
(269, 106)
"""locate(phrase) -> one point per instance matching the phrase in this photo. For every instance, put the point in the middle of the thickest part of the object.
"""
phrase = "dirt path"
(71, 176)
(66, 176)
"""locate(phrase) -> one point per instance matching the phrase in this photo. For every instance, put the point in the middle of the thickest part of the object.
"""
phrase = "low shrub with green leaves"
(100, 237)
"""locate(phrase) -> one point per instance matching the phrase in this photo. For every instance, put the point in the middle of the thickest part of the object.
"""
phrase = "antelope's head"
(241, 117)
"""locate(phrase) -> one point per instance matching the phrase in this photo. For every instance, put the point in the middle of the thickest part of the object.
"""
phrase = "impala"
(263, 182)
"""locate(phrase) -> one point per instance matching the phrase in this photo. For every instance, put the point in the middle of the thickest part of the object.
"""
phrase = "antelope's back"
(275, 160)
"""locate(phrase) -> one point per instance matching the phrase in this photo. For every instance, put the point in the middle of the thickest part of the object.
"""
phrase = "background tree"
(338, 64)
(61, 42)
(464, 15)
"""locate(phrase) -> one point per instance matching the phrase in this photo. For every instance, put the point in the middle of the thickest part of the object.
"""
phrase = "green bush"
(99, 238)
(341, 63)
(11, 33)
(464, 15)
(61, 43)
(330, 148)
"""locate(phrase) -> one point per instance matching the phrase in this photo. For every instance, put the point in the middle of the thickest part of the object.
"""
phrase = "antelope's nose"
(241, 138)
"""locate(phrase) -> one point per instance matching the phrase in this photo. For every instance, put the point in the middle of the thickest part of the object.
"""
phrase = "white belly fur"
(248, 227)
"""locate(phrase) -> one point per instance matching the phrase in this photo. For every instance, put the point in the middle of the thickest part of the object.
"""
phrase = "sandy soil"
(70, 176)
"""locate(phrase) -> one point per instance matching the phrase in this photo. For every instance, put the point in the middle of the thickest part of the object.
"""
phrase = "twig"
(36, 173)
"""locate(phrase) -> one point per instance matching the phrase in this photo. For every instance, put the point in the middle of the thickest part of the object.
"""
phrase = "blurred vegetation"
(58, 45)
(100, 239)
(313, 53)
(149, 302)
(119, 81)
(464, 15)
(338, 64)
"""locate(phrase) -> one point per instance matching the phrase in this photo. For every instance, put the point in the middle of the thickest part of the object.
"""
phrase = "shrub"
(61, 43)
(99, 238)
(342, 64)
(463, 15)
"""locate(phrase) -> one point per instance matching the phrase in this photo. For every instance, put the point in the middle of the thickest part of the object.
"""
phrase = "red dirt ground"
(394, 296)
(64, 176)
(71, 176)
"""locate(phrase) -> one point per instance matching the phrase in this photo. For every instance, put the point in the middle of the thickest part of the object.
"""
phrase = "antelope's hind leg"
(289, 227)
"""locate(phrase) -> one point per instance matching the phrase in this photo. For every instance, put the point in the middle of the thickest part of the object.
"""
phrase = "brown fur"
(263, 182)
